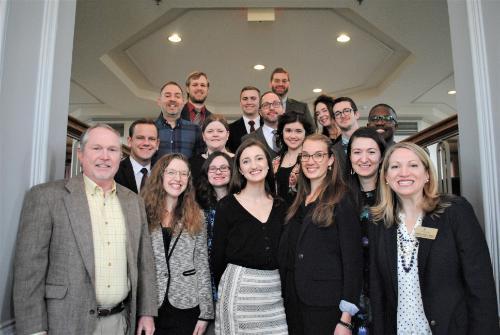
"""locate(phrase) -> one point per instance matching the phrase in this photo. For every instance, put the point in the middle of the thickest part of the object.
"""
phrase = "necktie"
(144, 172)
(252, 124)
(275, 143)
(197, 116)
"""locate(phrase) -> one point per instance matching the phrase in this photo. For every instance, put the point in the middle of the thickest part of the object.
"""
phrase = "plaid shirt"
(185, 138)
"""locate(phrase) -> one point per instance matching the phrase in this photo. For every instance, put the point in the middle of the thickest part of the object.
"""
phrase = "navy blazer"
(455, 273)
(237, 130)
(125, 175)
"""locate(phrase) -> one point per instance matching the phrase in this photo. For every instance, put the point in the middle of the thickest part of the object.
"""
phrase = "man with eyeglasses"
(384, 120)
(270, 109)
(280, 84)
(346, 115)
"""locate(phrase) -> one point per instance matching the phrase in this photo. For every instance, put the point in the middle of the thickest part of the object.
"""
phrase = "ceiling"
(399, 53)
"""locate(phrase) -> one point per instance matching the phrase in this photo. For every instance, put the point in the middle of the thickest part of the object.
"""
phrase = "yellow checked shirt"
(110, 239)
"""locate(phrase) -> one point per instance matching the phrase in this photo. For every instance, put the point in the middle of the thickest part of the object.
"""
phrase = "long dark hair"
(351, 177)
(330, 192)
(291, 117)
(238, 182)
(205, 193)
(186, 213)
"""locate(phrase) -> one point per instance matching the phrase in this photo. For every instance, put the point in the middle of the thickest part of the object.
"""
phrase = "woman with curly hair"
(179, 240)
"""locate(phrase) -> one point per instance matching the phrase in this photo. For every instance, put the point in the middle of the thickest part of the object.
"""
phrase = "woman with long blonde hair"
(179, 240)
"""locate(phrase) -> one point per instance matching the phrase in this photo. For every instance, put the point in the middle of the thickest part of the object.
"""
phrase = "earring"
(352, 172)
(427, 181)
(329, 167)
(387, 183)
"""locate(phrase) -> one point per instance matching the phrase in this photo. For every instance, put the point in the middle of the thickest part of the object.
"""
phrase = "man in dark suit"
(270, 109)
(250, 121)
(143, 142)
(280, 84)
(197, 86)
(346, 115)
(84, 262)
(384, 120)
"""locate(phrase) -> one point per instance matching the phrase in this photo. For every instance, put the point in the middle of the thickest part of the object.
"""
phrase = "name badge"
(426, 232)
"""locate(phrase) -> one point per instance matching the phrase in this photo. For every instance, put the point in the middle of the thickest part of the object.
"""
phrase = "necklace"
(408, 246)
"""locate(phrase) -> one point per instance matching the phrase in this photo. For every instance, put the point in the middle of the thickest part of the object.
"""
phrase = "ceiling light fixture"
(343, 38)
(259, 67)
(174, 38)
(317, 90)
(452, 92)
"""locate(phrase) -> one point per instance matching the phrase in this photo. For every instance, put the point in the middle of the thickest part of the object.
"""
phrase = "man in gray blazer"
(280, 84)
(83, 261)
(270, 109)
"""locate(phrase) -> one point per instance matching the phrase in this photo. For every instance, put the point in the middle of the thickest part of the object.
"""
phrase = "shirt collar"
(138, 167)
(191, 108)
(164, 122)
(267, 130)
(257, 120)
(92, 188)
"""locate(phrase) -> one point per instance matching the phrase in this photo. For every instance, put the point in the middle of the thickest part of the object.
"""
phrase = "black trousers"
(175, 321)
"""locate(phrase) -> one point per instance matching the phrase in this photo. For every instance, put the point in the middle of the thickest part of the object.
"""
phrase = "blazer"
(125, 175)
(237, 130)
(328, 263)
(259, 135)
(455, 274)
(185, 113)
(300, 107)
(185, 278)
(54, 272)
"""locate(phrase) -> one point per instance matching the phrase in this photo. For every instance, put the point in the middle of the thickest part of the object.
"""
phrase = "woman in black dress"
(292, 130)
(320, 253)
(365, 151)
(215, 132)
(248, 225)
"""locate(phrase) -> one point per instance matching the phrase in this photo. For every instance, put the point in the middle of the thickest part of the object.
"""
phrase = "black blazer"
(328, 263)
(300, 107)
(125, 175)
(185, 113)
(237, 130)
(259, 135)
(456, 278)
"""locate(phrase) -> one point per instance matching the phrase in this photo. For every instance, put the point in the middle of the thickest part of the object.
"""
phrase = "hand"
(147, 324)
(200, 327)
(341, 330)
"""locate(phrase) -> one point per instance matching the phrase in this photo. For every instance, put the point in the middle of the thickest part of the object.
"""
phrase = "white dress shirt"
(247, 126)
(137, 172)
(268, 134)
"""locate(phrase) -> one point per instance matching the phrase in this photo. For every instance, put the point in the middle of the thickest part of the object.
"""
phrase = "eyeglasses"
(344, 112)
(317, 156)
(274, 104)
(174, 173)
(221, 169)
(384, 118)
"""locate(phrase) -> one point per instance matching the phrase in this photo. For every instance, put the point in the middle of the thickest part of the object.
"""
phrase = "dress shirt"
(283, 102)
(345, 142)
(110, 239)
(268, 134)
(247, 126)
(192, 113)
(184, 138)
(137, 172)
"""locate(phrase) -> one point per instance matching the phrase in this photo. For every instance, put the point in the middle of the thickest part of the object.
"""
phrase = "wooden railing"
(436, 133)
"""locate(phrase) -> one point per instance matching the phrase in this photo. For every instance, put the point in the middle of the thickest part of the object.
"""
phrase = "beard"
(388, 133)
(197, 101)
(281, 95)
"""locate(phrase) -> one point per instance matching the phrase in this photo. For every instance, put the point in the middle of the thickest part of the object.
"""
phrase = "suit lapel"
(129, 173)
(79, 216)
(424, 248)
(391, 251)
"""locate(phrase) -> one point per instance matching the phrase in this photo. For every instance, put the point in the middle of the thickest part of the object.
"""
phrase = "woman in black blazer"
(430, 268)
(320, 249)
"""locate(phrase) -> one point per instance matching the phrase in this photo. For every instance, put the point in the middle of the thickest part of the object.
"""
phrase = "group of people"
(278, 223)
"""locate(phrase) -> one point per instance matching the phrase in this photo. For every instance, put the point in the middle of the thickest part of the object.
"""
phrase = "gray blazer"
(259, 135)
(186, 276)
(54, 272)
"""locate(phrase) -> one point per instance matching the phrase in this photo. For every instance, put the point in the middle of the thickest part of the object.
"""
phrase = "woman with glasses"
(365, 152)
(292, 130)
(320, 253)
(430, 269)
(248, 226)
(215, 132)
(179, 240)
(323, 115)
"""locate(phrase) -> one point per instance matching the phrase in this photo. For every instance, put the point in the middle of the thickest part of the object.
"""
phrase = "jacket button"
(301, 256)
(433, 322)
(91, 312)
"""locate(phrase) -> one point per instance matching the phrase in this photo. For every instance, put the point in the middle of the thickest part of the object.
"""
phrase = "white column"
(36, 42)
(474, 33)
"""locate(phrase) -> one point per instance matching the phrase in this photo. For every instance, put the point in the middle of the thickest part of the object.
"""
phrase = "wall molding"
(44, 93)
(489, 168)
(4, 9)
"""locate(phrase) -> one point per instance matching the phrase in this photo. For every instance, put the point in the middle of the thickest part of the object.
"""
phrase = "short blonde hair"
(388, 205)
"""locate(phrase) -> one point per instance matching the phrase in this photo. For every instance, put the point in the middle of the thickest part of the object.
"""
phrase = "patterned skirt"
(250, 302)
